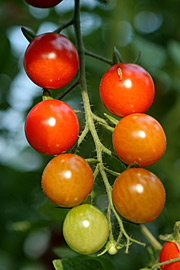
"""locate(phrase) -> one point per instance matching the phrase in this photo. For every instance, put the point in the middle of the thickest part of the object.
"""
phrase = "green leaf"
(52, 212)
(174, 50)
(65, 252)
(77, 264)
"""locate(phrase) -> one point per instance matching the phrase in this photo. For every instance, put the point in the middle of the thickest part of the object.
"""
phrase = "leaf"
(65, 252)
(52, 212)
(77, 264)
(174, 50)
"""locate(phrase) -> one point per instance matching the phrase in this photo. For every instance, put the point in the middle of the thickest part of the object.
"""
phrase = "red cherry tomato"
(138, 195)
(67, 180)
(51, 127)
(51, 61)
(43, 3)
(139, 138)
(132, 93)
(170, 251)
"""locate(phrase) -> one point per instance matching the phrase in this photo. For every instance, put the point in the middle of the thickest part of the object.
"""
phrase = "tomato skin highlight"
(43, 3)
(51, 127)
(170, 251)
(85, 229)
(51, 61)
(134, 93)
(139, 138)
(67, 180)
(138, 195)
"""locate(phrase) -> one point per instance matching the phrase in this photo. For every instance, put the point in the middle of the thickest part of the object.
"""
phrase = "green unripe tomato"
(85, 229)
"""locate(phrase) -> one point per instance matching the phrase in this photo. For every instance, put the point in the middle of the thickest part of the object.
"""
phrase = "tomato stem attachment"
(119, 71)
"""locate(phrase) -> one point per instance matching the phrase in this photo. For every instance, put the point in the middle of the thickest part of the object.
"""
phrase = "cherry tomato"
(51, 127)
(138, 195)
(43, 3)
(139, 138)
(127, 88)
(170, 251)
(51, 61)
(67, 180)
(85, 229)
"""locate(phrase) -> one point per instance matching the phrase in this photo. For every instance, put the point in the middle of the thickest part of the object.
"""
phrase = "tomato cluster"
(51, 61)
(127, 91)
(51, 127)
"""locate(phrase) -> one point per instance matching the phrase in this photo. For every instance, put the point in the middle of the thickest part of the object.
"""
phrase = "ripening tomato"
(51, 60)
(170, 251)
(138, 195)
(43, 3)
(127, 88)
(85, 229)
(67, 180)
(51, 127)
(139, 138)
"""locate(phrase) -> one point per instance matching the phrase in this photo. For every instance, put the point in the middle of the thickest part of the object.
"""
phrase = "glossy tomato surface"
(51, 61)
(43, 3)
(51, 127)
(132, 93)
(170, 251)
(67, 180)
(139, 138)
(85, 229)
(138, 195)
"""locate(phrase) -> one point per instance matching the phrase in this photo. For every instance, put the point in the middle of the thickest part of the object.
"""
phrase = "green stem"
(164, 263)
(152, 240)
(90, 126)
(69, 89)
(101, 58)
(63, 26)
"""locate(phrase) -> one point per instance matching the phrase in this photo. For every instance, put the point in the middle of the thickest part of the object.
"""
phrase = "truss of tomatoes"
(127, 90)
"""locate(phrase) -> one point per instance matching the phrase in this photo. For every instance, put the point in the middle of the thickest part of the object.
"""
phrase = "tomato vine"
(113, 245)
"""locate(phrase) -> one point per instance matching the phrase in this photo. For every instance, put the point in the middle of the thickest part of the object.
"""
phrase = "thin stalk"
(101, 58)
(90, 126)
(152, 240)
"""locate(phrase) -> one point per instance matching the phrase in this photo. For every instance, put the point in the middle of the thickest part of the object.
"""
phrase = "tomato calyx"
(173, 237)
(46, 95)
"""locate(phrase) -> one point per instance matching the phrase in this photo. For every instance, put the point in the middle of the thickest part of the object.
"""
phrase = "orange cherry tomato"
(67, 180)
(138, 195)
(139, 138)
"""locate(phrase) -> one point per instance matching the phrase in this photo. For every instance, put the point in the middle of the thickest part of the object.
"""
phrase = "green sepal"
(46, 95)
(117, 58)
(111, 119)
(29, 35)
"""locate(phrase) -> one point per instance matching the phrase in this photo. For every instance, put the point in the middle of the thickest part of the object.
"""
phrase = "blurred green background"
(30, 227)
